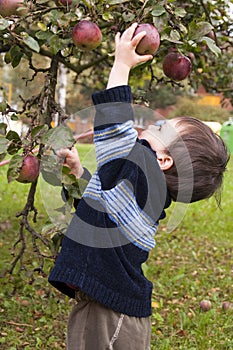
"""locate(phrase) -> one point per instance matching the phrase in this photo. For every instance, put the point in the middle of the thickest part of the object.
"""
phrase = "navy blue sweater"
(113, 228)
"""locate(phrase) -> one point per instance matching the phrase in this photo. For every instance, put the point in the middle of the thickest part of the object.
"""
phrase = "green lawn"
(191, 263)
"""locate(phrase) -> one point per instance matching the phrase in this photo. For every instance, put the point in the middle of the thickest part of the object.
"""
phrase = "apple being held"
(30, 169)
(176, 66)
(9, 7)
(150, 42)
(86, 35)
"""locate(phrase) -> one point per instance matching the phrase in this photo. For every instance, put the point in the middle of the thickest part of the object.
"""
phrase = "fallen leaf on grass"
(25, 302)
(181, 333)
(18, 329)
(155, 305)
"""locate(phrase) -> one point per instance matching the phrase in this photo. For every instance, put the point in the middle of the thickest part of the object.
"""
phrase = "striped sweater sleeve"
(114, 135)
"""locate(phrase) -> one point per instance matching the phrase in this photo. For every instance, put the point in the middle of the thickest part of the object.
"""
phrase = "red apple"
(30, 169)
(86, 35)
(176, 66)
(64, 2)
(9, 7)
(226, 305)
(205, 305)
(151, 41)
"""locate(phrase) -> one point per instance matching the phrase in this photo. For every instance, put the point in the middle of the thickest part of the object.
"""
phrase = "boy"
(113, 228)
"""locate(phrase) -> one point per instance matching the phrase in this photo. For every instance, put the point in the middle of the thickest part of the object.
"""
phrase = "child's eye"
(160, 123)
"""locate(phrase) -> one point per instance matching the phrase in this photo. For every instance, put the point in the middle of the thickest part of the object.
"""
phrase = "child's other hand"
(125, 47)
(71, 160)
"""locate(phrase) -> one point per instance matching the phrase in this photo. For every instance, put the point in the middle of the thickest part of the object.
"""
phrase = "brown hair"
(200, 158)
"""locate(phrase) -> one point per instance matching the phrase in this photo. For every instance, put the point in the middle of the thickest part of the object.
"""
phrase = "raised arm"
(126, 56)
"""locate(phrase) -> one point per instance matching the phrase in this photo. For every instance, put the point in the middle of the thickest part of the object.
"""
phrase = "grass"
(191, 263)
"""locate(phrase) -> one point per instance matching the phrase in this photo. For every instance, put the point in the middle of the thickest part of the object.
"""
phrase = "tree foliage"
(198, 29)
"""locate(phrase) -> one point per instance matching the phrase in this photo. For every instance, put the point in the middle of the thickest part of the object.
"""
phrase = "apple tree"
(39, 36)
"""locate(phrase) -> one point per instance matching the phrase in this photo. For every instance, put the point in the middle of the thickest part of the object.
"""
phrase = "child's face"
(160, 137)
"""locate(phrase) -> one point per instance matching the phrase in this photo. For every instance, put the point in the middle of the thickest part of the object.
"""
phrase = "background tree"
(36, 38)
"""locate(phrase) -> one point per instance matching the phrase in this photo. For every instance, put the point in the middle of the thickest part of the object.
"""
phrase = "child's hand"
(126, 56)
(71, 159)
(125, 47)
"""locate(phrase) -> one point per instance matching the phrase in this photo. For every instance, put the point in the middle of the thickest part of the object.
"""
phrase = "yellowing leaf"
(155, 304)
(42, 26)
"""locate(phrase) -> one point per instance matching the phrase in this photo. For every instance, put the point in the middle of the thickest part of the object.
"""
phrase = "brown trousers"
(91, 326)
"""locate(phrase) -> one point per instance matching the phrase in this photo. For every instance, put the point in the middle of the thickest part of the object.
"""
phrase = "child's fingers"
(138, 38)
(66, 152)
(117, 38)
(144, 58)
(62, 152)
(128, 33)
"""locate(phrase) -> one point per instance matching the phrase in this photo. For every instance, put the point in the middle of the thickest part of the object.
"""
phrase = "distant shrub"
(162, 96)
(187, 106)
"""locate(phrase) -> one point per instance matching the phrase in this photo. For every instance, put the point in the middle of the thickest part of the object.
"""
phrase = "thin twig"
(18, 324)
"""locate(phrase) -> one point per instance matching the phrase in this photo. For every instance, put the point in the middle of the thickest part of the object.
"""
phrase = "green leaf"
(31, 43)
(51, 169)
(15, 55)
(183, 29)
(42, 26)
(2, 156)
(174, 36)
(39, 130)
(158, 317)
(14, 167)
(13, 135)
(128, 17)
(59, 137)
(56, 241)
(180, 12)
(3, 144)
(158, 10)
(7, 57)
(15, 143)
(160, 21)
(75, 188)
(3, 106)
(4, 23)
(211, 45)
(199, 29)
(3, 128)
(14, 117)
(42, 35)
(16, 60)
(55, 44)
(107, 16)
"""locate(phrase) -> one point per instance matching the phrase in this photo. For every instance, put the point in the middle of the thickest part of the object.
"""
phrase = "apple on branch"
(86, 35)
(29, 171)
(176, 66)
(151, 41)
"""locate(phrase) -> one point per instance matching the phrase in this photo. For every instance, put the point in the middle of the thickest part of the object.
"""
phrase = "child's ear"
(165, 161)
